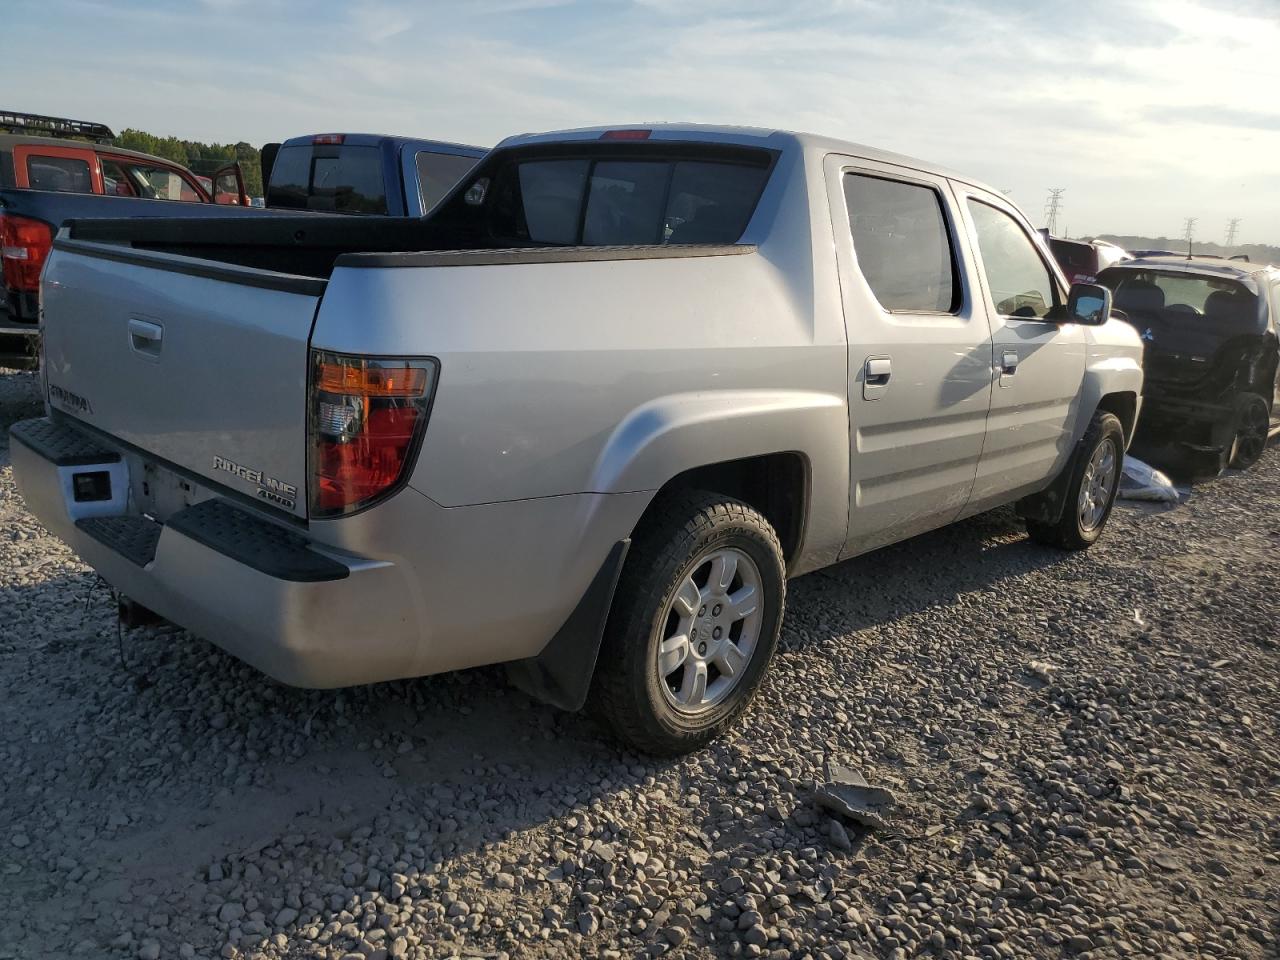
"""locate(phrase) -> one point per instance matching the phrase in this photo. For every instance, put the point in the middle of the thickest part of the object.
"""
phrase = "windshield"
(1151, 294)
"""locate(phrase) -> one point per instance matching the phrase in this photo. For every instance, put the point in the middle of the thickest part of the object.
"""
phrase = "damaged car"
(1209, 331)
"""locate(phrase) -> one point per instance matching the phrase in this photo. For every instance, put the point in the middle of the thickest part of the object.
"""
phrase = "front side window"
(903, 247)
(1020, 284)
(161, 183)
(61, 174)
(115, 182)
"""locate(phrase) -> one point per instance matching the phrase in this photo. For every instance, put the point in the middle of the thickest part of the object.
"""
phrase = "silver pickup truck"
(585, 420)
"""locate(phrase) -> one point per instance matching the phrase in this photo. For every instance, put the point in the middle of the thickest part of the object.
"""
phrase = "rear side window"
(345, 179)
(609, 201)
(61, 174)
(902, 243)
(438, 173)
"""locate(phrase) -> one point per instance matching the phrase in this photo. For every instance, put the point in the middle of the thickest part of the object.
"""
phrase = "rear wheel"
(1253, 421)
(1091, 492)
(694, 626)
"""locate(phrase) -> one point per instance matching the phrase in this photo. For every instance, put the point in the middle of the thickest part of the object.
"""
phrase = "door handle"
(145, 337)
(876, 372)
(1009, 363)
(879, 370)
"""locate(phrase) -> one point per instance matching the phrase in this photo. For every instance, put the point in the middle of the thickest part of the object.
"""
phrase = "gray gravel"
(1084, 750)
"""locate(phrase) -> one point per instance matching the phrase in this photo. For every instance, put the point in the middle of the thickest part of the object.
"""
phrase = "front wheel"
(694, 625)
(1091, 491)
(1253, 422)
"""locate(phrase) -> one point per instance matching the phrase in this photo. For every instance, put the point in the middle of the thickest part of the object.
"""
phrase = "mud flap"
(561, 674)
(1047, 505)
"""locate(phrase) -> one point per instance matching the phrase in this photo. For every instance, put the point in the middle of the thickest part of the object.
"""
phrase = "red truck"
(52, 170)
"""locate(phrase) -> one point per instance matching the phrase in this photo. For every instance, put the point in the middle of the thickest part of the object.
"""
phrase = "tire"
(1252, 423)
(685, 542)
(1072, 531)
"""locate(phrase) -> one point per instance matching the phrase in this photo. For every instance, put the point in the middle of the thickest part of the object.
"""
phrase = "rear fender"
(673, 434)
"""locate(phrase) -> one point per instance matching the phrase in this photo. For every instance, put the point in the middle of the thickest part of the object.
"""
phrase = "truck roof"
(10, 140)
(749, 137)
(374, 139)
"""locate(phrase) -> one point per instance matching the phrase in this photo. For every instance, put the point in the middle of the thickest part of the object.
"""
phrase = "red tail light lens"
(366, 423)
(24, 247)
(331, 138)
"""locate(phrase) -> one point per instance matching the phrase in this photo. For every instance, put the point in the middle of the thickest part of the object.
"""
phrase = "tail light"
(24, 247)
(365, 426)
(331, 138)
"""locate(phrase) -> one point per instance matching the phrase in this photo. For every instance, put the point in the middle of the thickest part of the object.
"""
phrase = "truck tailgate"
(199, 364)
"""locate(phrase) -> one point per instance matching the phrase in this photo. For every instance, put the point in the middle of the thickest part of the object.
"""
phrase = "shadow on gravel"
(932, 570)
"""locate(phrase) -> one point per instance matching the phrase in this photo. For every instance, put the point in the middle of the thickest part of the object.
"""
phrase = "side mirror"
(1088, 303)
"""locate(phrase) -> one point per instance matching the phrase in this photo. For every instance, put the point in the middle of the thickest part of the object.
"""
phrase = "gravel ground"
(1085, 748)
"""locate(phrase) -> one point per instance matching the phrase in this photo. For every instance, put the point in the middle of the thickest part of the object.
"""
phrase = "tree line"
(201, 158)
(1256, 252)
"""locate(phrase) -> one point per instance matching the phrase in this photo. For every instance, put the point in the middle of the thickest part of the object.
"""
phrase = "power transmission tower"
(1052, 207)
(1189, 231)
(1232, 226)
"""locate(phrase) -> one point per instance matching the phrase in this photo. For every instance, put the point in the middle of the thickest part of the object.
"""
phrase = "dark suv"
(1209, 327)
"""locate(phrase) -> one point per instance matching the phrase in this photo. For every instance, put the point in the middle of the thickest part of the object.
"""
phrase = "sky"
(1146, 111)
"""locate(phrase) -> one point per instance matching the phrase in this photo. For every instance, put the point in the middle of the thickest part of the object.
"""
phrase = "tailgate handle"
(145, 337)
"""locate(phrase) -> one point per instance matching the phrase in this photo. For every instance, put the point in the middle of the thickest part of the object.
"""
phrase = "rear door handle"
(145, 337)
(876, 372)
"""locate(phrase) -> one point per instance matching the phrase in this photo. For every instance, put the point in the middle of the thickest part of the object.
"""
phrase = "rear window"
(1073, 257)
(1147, 293)
(344, 179)
(61, 174)
(626, 201)
(438, 173)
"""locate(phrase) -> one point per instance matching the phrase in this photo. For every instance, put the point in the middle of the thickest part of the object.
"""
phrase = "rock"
(230, 912)
(587, 923)
(20, 840)
(150, 950)
(286, 916)
(839, 836)
(756, 935)
(504, 881)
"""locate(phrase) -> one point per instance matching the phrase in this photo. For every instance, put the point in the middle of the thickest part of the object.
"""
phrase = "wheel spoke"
(724, 567)
(730, 660)
(688, 598)
(694, 687)
(673, 652)
(743, 603)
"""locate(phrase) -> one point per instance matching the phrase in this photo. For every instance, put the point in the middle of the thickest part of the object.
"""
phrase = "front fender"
(1114, 367)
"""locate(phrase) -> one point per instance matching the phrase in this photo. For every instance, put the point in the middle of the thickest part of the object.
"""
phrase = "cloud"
(1113, 99)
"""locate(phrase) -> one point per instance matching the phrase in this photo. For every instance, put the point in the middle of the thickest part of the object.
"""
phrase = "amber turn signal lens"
(385, 379)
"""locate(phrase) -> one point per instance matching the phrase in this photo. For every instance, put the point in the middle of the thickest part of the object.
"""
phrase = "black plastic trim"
(516, 255)
(192, 266)
(133, 537)
(259, 544)
(61, 445)
(561, 674)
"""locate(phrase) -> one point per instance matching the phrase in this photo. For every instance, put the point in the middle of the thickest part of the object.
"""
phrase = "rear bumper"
(1201, 423)
(300, 628)
(406, 589)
